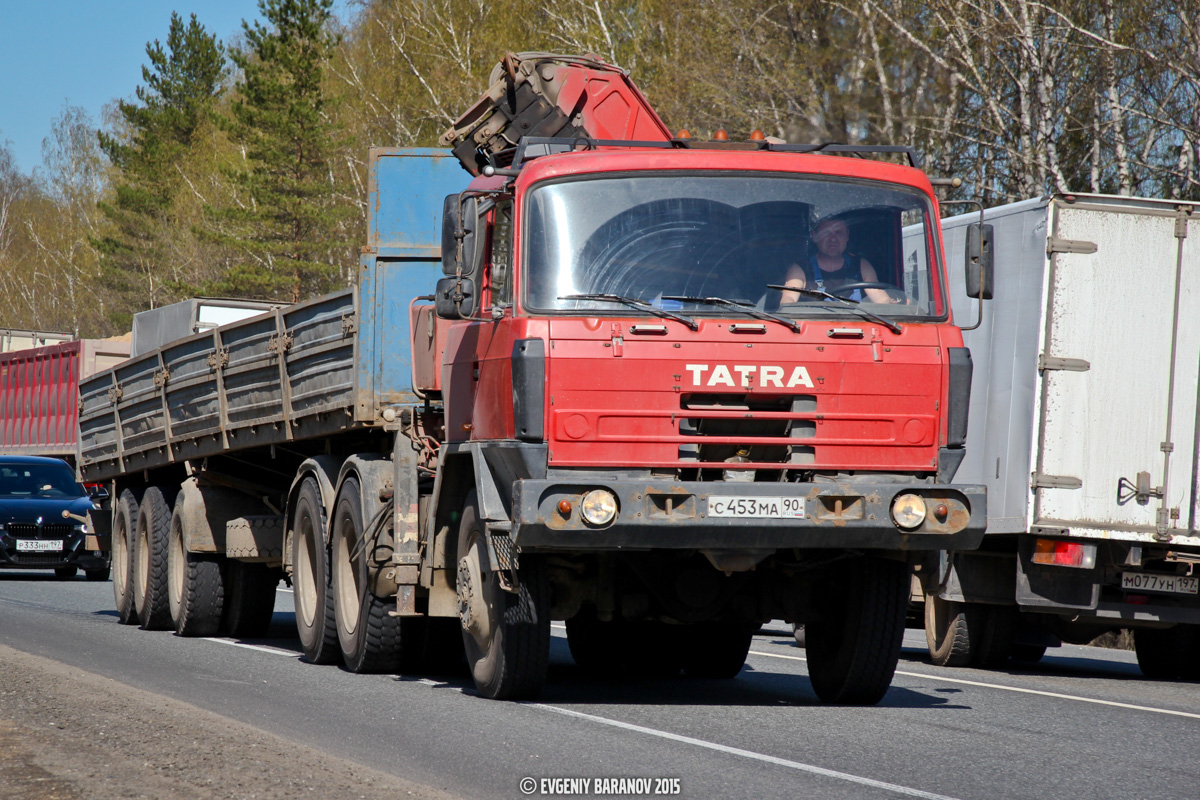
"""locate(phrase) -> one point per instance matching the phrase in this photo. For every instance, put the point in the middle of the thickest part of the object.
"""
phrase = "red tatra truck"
(617, 389)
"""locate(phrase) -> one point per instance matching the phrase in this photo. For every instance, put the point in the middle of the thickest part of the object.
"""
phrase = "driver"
(831, 266)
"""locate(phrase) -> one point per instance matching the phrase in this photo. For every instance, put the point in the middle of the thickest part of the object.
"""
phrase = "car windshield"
(673, 240)
(45, 481)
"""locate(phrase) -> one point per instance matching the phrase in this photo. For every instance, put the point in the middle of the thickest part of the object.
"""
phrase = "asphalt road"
(1082, 724)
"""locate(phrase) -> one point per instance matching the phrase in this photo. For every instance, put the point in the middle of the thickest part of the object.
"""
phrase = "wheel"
(951, 631)
(66, 572)
(798, 634)
(97, 574)
(370, 639)
(150, 561)
(715, 649)
(195, 586)
(315, 624)
(853, 647)
(124, 528)
(845, 288)
(996, 640)
(1168, 653)
(506, 636)
(249, 599)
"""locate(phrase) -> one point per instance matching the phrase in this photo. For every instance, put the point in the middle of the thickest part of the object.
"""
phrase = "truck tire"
(150, 561)
(195, 587)
(124, 526)
(854, 646)
(951, 631)
(66, 573)
(311, 580)
(715, 650)
(1168, 654)
(249, 599)
(506, 636)
(370, 639)
(995, 642)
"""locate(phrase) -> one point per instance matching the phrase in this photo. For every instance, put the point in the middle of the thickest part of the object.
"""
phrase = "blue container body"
(402, 261)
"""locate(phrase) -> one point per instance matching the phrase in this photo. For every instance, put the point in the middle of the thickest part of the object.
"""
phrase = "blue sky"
(86, 53)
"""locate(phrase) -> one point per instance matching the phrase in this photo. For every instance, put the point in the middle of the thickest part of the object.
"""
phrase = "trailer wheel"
(311, 580)
(124, 527)
(715, 650)
(150, 561)
(506, 636)
(854, 646)
(370, 639)
(249, 599)
(1167, 654)
(951, 631)
(195, 588)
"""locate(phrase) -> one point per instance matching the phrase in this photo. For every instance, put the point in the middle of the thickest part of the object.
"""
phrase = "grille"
(735, 427)
(38, 559)
(27, 531)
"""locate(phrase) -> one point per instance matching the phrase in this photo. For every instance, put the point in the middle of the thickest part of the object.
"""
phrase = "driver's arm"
(795, 277)
(868, 275)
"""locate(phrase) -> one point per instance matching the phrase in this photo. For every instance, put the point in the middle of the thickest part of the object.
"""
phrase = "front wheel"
(506, 636)
(854, 646)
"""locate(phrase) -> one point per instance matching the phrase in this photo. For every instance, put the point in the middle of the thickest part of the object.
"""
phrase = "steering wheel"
(892, 290)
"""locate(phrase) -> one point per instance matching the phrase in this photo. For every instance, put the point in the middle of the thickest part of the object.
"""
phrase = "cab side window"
(501, 253)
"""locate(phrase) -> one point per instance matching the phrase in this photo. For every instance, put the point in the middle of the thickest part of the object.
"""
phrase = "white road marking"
(279, 651)
(737, 751)
(1017, 689)
(282, 589)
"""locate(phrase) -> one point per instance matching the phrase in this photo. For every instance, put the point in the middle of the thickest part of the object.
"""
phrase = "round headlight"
(908, 510)
(599, 507)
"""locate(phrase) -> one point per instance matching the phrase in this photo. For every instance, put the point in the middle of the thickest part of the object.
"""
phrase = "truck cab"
(647, 406)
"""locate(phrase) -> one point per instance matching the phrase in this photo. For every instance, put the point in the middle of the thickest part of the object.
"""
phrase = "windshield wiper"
(850, 304)
(744, 307)
(633, 302)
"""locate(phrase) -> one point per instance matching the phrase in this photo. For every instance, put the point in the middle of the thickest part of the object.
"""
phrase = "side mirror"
(980, 261)
(460, 218)
(97, 492)
(455, 298)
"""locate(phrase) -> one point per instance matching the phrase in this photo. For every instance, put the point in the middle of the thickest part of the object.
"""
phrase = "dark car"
(44, 519)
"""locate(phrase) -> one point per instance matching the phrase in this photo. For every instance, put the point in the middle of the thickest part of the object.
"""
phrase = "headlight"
(908, 510)
(599, 507)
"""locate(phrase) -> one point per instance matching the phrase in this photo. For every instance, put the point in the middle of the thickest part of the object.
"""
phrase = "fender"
(206, 508)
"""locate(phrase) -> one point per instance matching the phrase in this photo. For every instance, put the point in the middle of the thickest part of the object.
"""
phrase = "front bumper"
(663, 514)
(73, 553)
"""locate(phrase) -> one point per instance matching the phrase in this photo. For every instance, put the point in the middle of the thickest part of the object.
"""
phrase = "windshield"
(44, 481)
(672, 241)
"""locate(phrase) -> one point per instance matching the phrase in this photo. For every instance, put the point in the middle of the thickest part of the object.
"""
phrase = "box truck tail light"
(1064, 554)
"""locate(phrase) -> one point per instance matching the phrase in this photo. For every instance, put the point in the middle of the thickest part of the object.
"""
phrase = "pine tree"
(183, 80)
(287, 222)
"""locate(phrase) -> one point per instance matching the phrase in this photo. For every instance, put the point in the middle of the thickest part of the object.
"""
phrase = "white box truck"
(1083, 426)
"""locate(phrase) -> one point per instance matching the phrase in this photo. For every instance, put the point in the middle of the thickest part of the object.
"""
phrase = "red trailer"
(39, 394)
